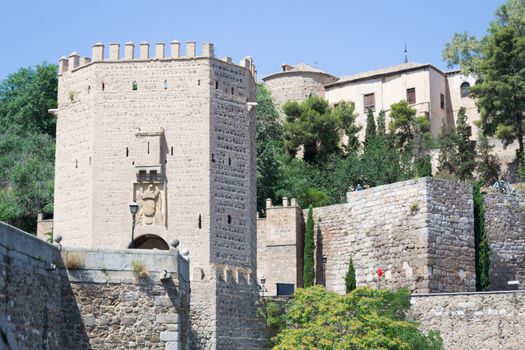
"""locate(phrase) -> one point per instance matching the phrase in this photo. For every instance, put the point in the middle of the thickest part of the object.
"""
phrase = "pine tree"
(482, 248)
(350, 281)
(309, 247)
(370, 132)
(465, 158)
(488, 165)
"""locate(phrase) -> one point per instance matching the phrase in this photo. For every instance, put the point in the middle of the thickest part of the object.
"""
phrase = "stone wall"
(505, 223)
(84, 299)
(419, 232)
(280, 238)
(473, 321)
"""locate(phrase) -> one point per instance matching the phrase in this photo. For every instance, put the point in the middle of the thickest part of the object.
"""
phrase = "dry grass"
(74, 261)
(139, 268)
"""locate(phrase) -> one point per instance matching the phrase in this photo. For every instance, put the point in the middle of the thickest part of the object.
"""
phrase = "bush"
(362, 319)
(350, 281)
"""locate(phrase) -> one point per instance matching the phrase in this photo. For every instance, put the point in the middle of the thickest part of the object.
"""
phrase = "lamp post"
(263, 287)
(133, 208)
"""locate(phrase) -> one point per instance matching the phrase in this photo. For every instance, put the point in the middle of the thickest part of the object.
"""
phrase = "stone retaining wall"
(505, 223)
(96, 299)
(473, 321)
(419, 232)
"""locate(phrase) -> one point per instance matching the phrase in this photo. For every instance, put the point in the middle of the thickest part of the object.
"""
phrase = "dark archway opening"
(149, 242)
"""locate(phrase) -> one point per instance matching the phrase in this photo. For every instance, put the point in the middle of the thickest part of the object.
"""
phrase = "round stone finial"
(174, 243)
(57, 238)
(185, 252)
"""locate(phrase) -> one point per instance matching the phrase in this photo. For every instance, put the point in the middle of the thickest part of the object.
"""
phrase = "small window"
(148, 147)
(199, 82)
(127, 152)
(200, 221)
(216, 85)
(465, 89)
(233, 93)
(229, 219)
(171, 151)
(229, 161)
(165, 85)
(411, 96)
(89, 89)
(103, 86)
(134, 86)
(213, 158)
(442, 101)
(76, 164)
(369, 101)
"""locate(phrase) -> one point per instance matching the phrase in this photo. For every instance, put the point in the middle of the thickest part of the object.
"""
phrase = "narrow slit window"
(89, 160)
(229, 161)
(213, 157)
(171, 151)
(233, 93)
(134, 86)
(199, 82)
(216, 85)
(229, 219)
(442, 101)
(200, 221)
(103, 86)
(165, 85)
(127, 152)
(148, 147)
(89, 89)
(76, 164)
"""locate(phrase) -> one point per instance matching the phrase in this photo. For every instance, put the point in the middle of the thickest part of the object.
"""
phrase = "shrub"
(350, 281)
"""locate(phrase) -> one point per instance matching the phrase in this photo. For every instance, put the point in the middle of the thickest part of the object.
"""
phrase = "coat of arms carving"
(150, 198)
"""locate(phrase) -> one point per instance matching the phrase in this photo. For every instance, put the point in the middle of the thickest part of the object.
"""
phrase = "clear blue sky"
(341, 37)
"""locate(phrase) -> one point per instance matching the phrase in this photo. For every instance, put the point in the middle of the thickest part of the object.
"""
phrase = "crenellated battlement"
(145, 53)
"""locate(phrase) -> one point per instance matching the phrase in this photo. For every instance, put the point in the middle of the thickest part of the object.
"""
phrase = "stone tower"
(176, 134)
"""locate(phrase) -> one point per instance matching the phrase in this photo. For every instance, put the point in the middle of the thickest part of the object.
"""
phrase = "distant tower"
(176, 134)
(406, 54)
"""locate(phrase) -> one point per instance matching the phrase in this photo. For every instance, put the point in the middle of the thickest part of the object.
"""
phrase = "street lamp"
(133, 208)
(263, 287)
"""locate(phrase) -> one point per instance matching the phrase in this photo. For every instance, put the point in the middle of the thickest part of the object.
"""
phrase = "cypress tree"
(488, 165)
(381, 123)
(447, 149)
(466, 148)
(309, 247)
(370, 132)
(350, 281)
(482, 254)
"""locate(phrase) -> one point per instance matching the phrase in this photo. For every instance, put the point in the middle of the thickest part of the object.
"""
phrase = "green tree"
(309, 250)
(381, 123)
(317, 128)
(370, 132)
(26, 175)
(402, 122)
(269, 148)
(421, 146)
(362, 319)
(25, 98)
(447, 150)
(482, 248)
(315, 198)
(498, 63)
(350, 281)
(488, 165)
(27, 147)
(465, 157)
(345, 117)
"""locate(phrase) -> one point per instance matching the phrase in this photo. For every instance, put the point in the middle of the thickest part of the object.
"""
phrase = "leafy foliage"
(309, 250)
(481, 241)
(269, 147)
(350, 281)
(488, 165)
(362, 319)
(403, 119)
(27, 147)
(498, 63)
(317, 128)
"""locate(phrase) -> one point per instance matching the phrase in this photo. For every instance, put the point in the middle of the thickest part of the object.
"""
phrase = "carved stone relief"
(152, 203)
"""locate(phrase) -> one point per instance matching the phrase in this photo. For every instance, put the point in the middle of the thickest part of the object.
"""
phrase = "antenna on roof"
(406, 53)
